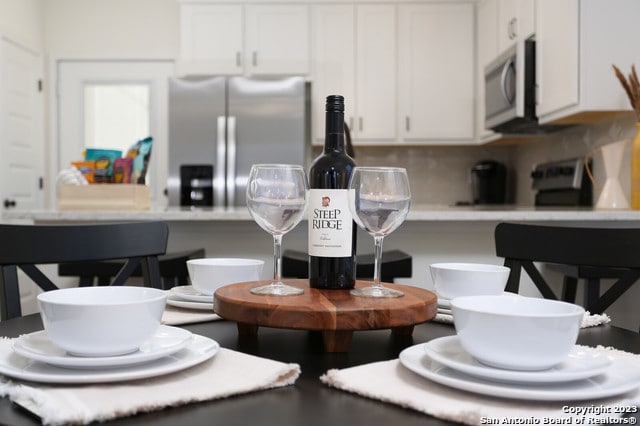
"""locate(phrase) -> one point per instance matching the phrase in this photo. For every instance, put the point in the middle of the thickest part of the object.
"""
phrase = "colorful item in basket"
(87, 168)
(140, 152)
(104, 159)
(122, 170)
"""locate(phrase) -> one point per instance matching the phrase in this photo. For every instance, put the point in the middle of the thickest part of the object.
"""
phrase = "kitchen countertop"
(418, 213)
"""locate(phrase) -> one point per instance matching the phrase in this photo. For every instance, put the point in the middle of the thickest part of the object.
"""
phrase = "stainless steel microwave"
(510, 90)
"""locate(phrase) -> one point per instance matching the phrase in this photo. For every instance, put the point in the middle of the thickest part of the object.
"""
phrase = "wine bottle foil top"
(335, 103)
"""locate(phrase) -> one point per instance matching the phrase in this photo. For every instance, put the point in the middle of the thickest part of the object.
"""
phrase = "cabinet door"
(557, 55)
(516, 21)
(211, 39)
(487, 50)
(333, 41)
(376, 72)
(437, 72)
(277, 39)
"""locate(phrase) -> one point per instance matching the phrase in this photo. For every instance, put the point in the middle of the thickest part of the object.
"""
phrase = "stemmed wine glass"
(379, 201)
(276, 198)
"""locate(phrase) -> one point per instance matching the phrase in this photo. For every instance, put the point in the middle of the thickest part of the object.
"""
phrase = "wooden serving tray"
(334, 312)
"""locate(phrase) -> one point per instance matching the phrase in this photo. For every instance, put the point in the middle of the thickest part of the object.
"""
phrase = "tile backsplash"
(440, 174)
(574, 142)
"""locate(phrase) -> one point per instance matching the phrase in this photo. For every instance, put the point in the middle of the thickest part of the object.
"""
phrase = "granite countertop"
(418, 213)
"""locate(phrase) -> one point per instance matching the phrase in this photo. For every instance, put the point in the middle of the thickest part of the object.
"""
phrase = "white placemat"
(391, 382)
(227, 373)
(173, 315)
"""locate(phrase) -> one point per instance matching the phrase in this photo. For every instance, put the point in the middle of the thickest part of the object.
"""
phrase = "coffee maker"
(196, 185)
(489, 182)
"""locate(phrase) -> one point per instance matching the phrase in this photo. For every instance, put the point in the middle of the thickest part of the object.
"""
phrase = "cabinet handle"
(512, 28)
(360, 123)
(407, 123)
(255, 58)
(238, 59)
(351, 122)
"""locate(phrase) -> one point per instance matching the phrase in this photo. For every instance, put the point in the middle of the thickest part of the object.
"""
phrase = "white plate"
(187, 292)
(39, 347)
(622, 376)
(446, 303)
(198, 350)
(190, 305)
(582, 363)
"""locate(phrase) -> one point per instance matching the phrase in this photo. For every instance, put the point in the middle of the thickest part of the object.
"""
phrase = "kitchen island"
(430, 234)
(418, 213)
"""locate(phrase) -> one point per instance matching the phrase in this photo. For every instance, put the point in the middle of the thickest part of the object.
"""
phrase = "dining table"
(308, 401)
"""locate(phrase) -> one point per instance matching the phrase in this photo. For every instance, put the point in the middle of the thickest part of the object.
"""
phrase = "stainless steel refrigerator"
(220, 126)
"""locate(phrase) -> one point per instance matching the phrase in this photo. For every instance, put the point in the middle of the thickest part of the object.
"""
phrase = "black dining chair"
(27, 246)
(589, 253)
(173, 269)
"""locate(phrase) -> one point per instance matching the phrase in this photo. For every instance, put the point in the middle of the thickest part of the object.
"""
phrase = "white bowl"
(468, 279)
(101, 321)
(516, 332)
(208, 274)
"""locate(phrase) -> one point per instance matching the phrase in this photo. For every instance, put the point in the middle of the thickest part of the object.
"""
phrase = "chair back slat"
(600, 252)
(609, 247)
(27, 246)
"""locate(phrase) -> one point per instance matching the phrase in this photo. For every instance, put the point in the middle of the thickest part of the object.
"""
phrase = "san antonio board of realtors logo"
(326, 218)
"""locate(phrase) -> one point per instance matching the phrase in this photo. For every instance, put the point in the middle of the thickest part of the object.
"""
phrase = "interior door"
(21, 128)
(80, 81)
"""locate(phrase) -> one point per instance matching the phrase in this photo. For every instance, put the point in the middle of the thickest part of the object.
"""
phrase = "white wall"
(22, 21)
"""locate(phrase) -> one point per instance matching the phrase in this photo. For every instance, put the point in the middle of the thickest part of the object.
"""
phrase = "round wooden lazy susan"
(334, 312)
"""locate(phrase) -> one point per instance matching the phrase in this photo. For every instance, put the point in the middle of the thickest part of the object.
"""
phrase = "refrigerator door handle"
(231, 161)
(221, 155)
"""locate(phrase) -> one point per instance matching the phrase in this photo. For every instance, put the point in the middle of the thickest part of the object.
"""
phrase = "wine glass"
(379, 201)
(276, 198)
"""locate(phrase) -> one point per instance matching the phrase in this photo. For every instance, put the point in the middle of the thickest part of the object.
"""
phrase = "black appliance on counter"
(562, 183)
(196, 185)
(489, 182)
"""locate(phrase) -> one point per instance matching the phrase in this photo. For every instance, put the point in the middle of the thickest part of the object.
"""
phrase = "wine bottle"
(332, 231)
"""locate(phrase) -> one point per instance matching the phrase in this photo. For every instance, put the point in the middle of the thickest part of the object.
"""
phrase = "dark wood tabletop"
(308, 401)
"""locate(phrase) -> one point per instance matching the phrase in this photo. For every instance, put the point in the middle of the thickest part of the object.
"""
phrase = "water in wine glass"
(276, 216)
(379, 201)
(276, 199)
(381, 215)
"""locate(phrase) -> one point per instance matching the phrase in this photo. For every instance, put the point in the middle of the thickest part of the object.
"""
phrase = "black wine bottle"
(332, 232)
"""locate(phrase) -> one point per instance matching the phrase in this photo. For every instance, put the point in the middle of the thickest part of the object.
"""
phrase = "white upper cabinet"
(376, 80)
(354, 51)
(436, 73)
(516, 21)
(262, 39)
(277, 39)
(576, 44)
(486, 51)
(334, 71)
(211, 39)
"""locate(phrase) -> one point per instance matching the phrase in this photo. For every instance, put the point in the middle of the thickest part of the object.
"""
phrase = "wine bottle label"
(330, 223)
